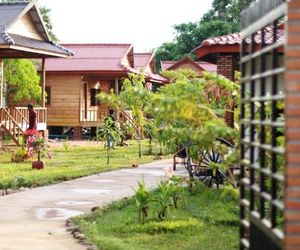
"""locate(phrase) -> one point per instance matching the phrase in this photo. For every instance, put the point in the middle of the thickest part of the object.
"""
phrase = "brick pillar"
(77, 133)
(225, 67)
(292, 113)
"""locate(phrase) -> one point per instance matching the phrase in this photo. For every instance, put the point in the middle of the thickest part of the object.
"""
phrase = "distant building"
(73, 84)
(145, 62)
(189, 63)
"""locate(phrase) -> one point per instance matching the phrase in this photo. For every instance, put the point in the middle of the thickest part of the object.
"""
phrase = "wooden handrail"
(40, 113)
(10, 125)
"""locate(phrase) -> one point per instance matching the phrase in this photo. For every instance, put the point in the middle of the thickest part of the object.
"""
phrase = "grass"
(68, 163)
(203, 221)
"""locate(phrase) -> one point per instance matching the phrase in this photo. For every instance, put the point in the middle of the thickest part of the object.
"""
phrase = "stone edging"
(78, 235)
(4, 192)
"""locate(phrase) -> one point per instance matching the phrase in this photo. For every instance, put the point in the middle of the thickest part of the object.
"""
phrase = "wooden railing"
(15, 121)
(41, 114)
(89, 115)
(19, 117)
(10, 125)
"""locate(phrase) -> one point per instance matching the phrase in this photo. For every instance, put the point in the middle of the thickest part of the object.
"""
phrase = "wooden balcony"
(41, 116)
(90, 118)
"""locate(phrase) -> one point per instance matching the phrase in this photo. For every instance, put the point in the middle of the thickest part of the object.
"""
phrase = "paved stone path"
(35, 219)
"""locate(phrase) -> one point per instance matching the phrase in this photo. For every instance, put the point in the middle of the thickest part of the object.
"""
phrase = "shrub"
(142, 199)
(20, 155)
(176, 189)
(163, 201)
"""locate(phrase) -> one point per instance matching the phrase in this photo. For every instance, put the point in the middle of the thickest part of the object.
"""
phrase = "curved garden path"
(35, 219)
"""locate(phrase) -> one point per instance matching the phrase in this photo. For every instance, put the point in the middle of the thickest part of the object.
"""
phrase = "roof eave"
(42, 53)
(226, 48)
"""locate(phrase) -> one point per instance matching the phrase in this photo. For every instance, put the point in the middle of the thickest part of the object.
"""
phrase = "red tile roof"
(142, 60)
(165, 65)
(236, 38)
(231, 43)
(93, 57)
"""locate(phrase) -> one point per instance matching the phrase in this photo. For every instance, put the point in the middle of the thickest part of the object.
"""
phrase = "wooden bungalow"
(145, 63)
(188, 63)
(23, 35)
(73, 84)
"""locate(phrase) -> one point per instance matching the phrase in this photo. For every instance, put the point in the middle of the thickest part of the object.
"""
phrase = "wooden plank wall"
(26, 27)
(65, 100)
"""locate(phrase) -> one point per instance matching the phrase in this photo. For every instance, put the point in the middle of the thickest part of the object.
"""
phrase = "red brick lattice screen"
(292, 174)
(263, 126)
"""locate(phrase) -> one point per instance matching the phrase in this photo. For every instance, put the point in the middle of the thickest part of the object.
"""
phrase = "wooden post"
(116, 86)
(117, 115)
(1, 83)
(43, 84)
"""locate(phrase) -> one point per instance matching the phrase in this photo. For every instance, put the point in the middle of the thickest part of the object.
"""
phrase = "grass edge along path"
(70, 163)
(204, 220)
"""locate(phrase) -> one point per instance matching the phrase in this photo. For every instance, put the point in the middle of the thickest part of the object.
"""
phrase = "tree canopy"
(22, 80)
(223, 18)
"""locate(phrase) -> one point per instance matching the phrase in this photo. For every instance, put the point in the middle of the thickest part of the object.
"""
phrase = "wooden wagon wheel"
(205, 172)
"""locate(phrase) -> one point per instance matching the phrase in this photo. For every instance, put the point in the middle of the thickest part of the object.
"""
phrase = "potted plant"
(38, 146)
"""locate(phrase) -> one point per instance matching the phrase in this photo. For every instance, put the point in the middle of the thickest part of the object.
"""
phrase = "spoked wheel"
(204, 170)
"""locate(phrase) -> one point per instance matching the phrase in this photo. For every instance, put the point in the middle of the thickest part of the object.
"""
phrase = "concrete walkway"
(35, 219)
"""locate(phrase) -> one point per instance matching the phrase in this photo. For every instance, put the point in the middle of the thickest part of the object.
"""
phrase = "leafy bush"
(20, 155)
(176, 189)
(163, 200)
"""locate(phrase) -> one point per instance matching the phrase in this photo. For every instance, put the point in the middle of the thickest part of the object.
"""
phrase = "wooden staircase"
(14, 123)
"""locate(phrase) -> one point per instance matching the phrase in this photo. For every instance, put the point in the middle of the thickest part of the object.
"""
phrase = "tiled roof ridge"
(7, 38)
(223, 38)
(62, 48)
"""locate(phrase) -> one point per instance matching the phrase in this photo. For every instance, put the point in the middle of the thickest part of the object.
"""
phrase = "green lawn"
(69, 163)
(205, 221)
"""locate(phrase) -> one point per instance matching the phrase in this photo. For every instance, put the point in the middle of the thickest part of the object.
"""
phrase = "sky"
(144, 23)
